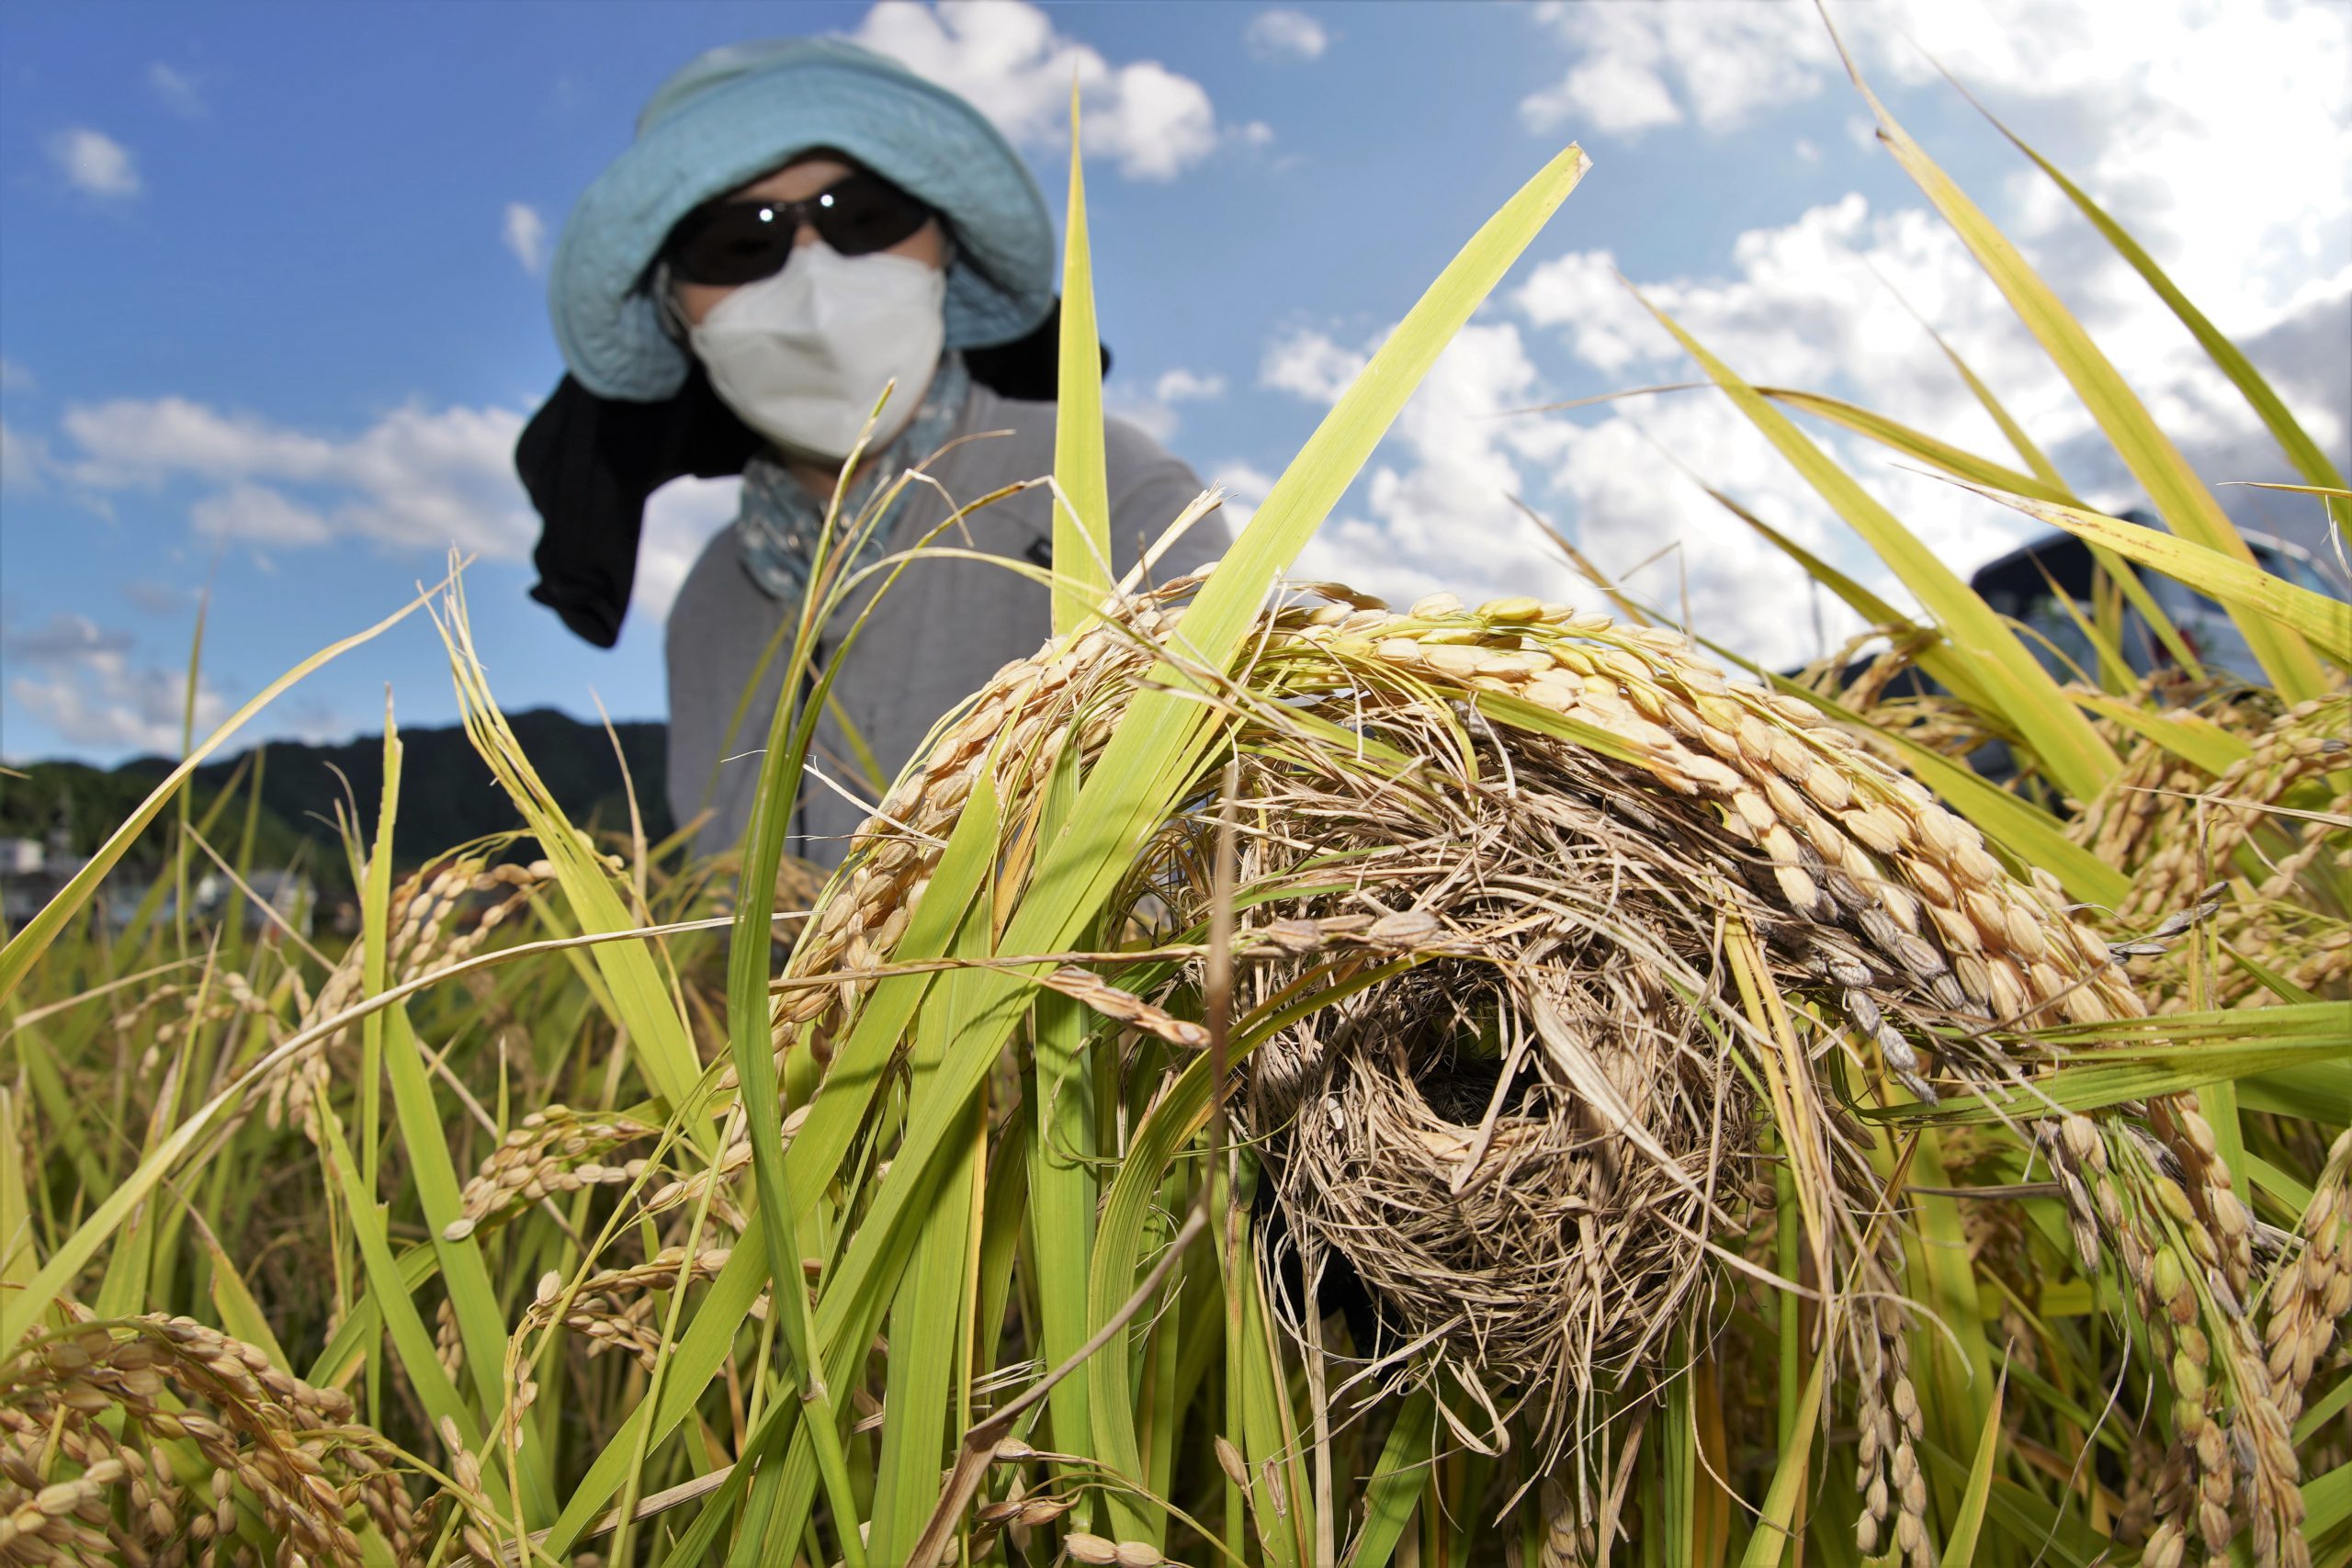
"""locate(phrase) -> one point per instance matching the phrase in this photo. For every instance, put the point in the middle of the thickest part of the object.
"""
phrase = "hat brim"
(919, 136)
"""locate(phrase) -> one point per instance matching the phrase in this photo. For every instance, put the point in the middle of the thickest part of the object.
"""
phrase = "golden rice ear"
(108, 1398)
(1523, 1141)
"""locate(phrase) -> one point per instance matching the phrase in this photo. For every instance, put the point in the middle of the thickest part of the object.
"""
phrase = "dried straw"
(1526, 1141)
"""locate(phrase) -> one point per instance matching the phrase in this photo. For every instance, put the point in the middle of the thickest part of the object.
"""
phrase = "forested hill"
(447, 794)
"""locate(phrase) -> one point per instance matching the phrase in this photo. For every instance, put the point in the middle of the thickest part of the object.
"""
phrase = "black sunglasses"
(729, 242)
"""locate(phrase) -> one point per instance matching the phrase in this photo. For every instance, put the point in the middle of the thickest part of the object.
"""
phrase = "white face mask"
(801, 356)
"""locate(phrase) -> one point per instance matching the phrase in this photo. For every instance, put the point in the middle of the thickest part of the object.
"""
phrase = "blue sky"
(271, 315)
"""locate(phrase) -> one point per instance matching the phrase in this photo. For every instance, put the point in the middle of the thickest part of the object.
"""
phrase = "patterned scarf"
(779, 521)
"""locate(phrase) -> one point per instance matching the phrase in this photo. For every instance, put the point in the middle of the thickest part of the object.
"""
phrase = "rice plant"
(1280, 1080)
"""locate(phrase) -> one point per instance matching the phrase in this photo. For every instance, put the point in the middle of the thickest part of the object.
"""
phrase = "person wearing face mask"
(798, 224)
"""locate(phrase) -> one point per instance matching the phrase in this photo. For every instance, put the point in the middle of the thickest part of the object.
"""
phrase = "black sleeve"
(590, 464)
(1027, 369)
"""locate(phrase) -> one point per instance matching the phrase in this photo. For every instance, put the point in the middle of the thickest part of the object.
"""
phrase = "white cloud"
(1637, 66)
(1650, 528)
(431, 480)
(1436, 507)
(258, 515)
(1285, 35)
(1439, 491)
(152, 596)
(416, 479)
(1154, 418)
(1005, 56)
(2173, 123)
(1245, 487)
(94, 162)
(130, 440)
(1817, 300)
(1818, 304)
(177, 91)
(526, 233)
(1805, 306)
(1310, 364)
(1181, 384)
(24, 459)
(1157, 415)
(62, 639)
(679, 522)
(1621, 96)
(82, 680)
(1580, 293)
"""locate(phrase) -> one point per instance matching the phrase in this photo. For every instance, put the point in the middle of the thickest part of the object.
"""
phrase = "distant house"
(289, 893)
(33, 872)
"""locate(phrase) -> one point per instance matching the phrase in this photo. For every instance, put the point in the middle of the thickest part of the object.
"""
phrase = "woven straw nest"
(1542, 837)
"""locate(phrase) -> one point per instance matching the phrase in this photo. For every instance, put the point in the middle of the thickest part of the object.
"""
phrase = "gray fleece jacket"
(941, 631)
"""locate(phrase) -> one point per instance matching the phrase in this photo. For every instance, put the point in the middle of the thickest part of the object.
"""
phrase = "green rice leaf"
(2011, 431)
(1956, 1351)
(1535, 718)
(2190, 736)
(353, 1335)
(1968, 1524)
(2178, 495)
(2018, 687)
(2025, 1517)
(2277, 985)
(26, 947)
(375, 937)
(2303, 451)
(1933, 654)
(2326, 1408)
(412, 1341)
(481, 1325)
(19, 1246)
(1767, 1547)
(1064, 1195)
(2316, 1091)
(240, 1314)
(2231, 577)
(2327, 1500)
(2330, 492)
(2313, 1023)
(926, 1317)
(1397, 1481)
(1118, 1246)
(810, 1164)
(1082, 509)
(2054, 485)
(2091, 1086)
(1901, 438)
(1269, 1428)
(657, 1035)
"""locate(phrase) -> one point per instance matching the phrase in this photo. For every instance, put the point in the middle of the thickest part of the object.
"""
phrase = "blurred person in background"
(797, 223)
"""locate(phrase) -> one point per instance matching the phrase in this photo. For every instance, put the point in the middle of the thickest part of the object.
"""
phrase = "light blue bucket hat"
(736, 113)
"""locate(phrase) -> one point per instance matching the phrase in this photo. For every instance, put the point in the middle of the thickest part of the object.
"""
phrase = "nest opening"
(1523, 1144)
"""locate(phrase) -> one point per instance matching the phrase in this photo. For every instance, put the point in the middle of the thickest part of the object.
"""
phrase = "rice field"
(1282, 1079)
